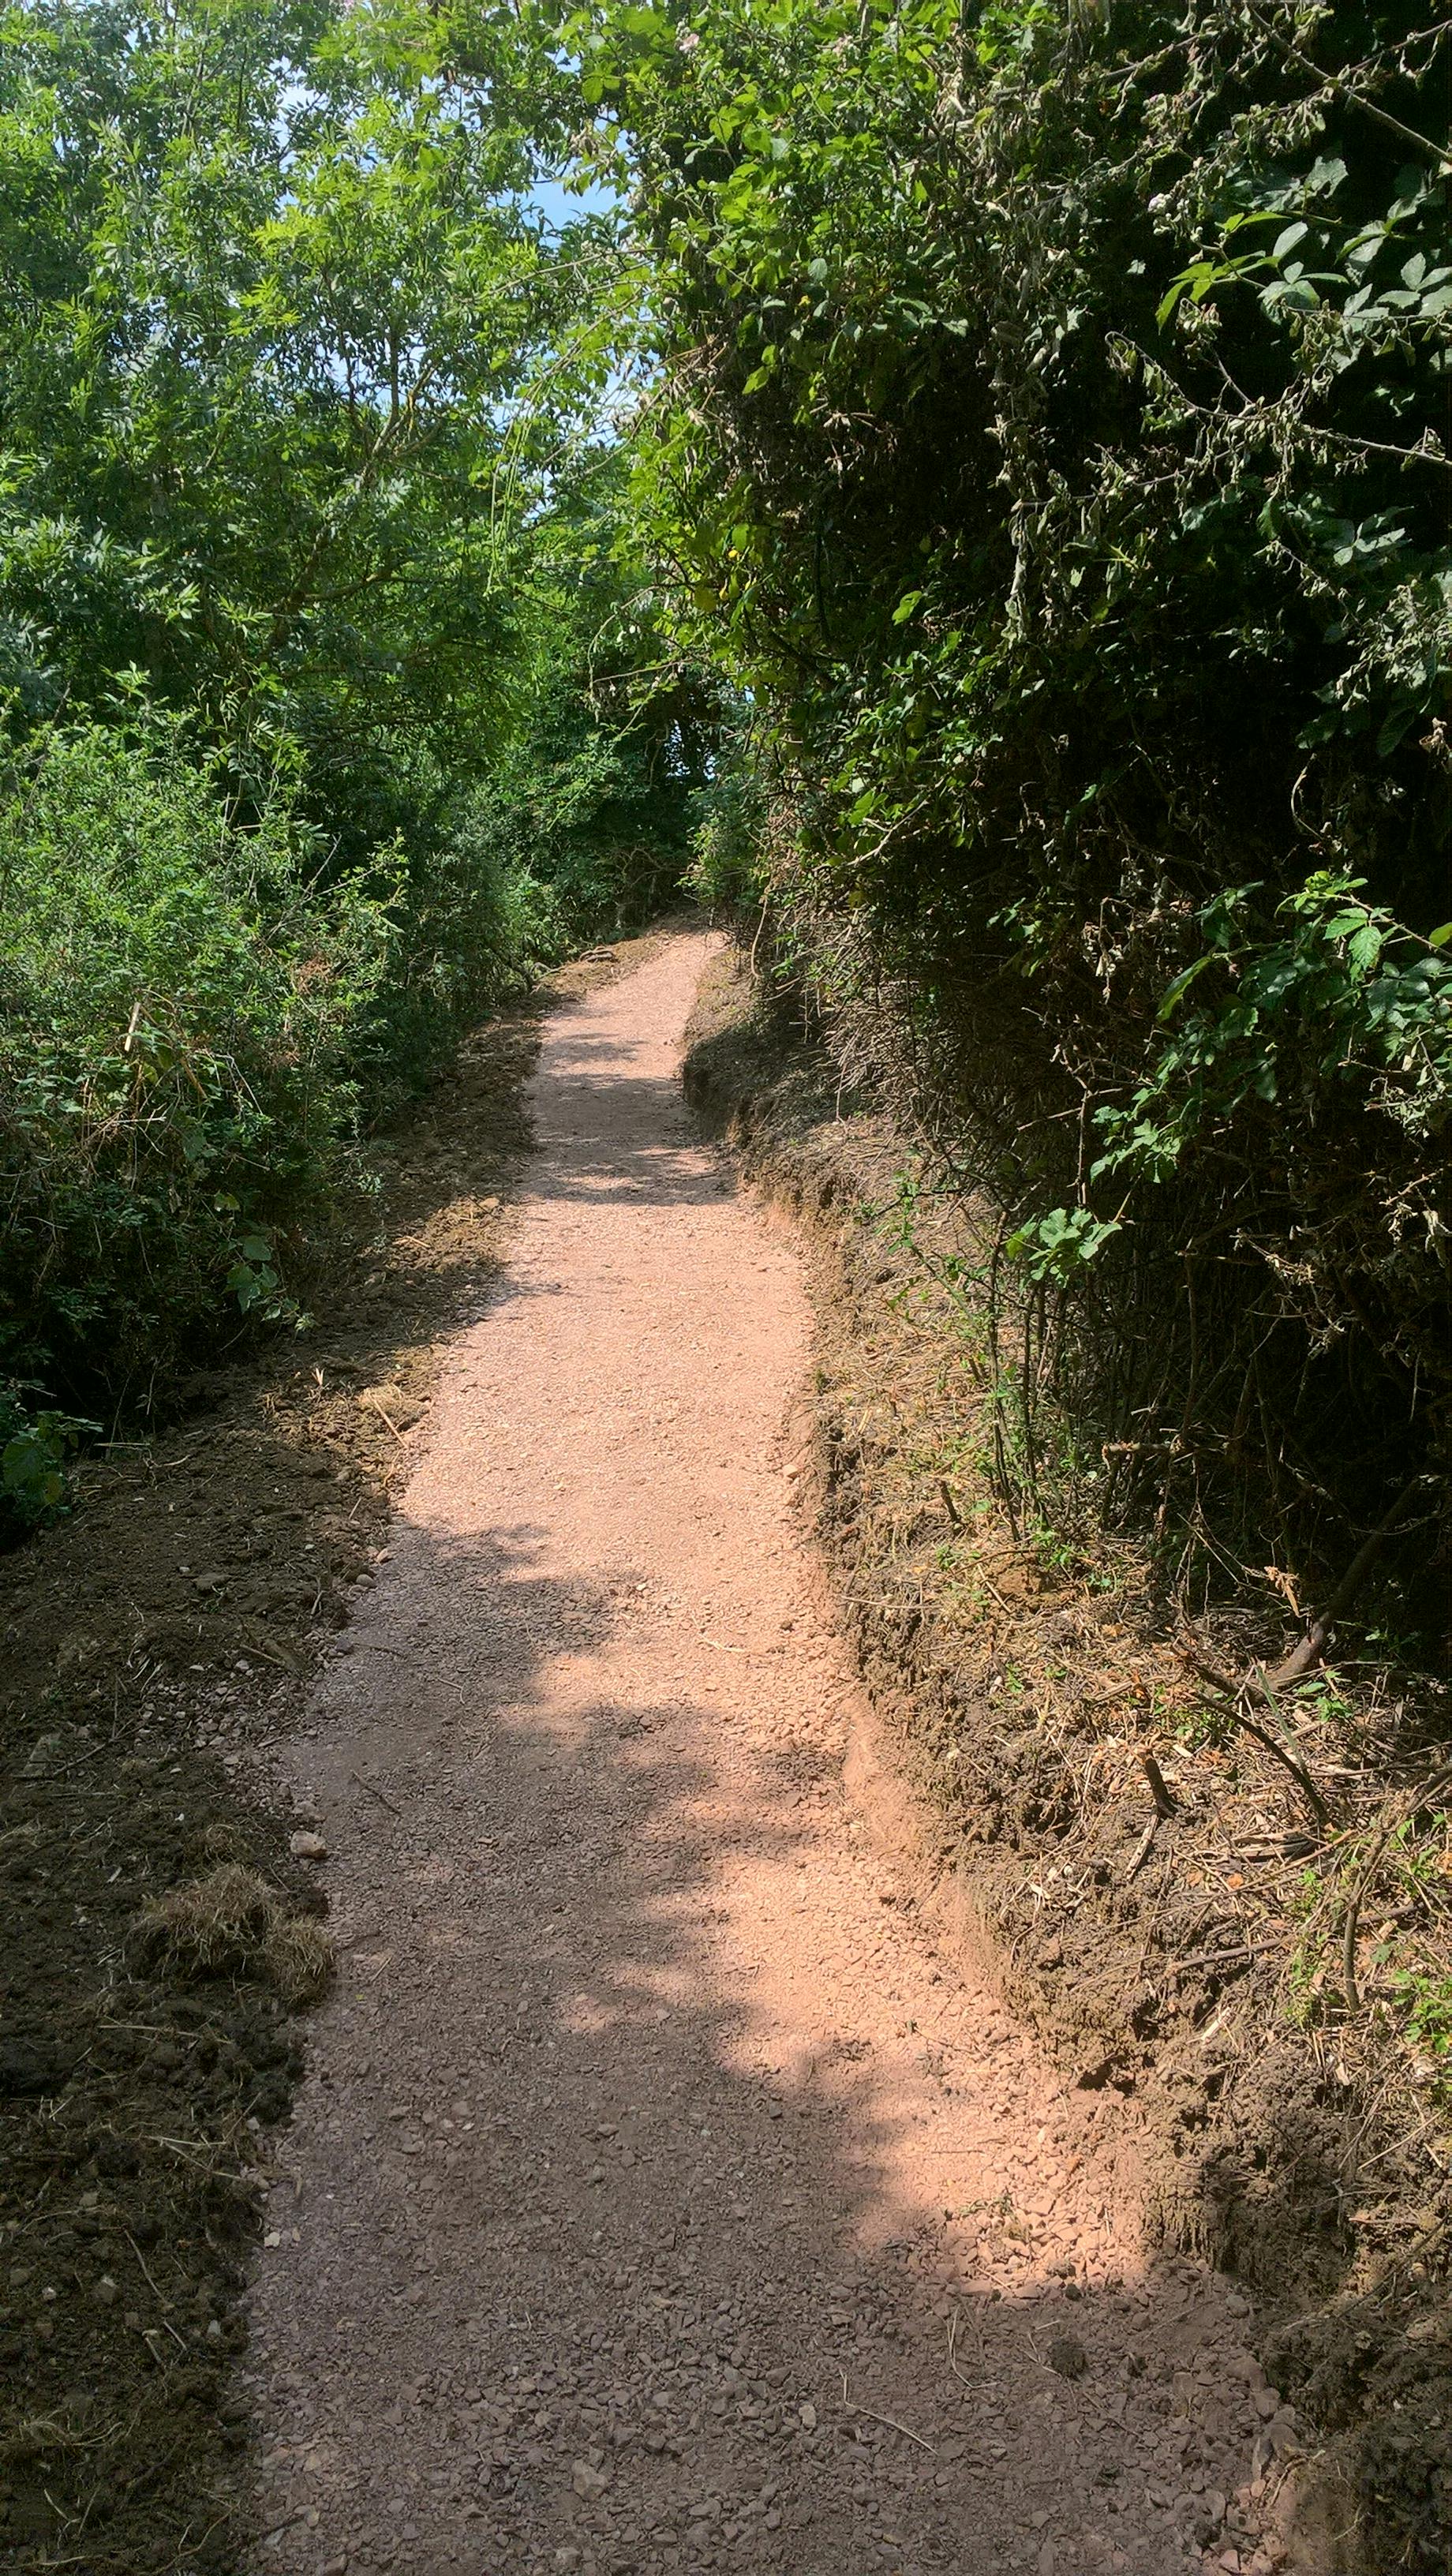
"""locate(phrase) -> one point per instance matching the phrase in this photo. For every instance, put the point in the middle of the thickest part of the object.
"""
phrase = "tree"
(273, 393)
(1047, 440)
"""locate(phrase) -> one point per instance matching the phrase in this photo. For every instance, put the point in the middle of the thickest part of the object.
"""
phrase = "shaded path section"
(655, 2200)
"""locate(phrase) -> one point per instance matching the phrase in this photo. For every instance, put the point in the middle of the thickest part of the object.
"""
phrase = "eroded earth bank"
(658, 2197)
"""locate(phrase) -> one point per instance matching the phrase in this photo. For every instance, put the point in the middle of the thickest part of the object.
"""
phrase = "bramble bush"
(1046, 445)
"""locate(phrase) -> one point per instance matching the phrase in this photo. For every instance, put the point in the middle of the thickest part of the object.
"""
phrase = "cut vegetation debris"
(1225, 1899)
(232, 1924)
(153, 1645)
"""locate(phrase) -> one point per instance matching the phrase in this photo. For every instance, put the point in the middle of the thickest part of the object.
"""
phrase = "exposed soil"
(668, 2188)
(663, 2193)
(153, 1648)
(1185, 1968)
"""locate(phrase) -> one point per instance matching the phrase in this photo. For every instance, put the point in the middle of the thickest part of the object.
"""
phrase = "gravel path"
(613, 2231)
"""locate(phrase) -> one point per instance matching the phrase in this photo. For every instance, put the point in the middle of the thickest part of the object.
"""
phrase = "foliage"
(34, 1453)
(1046, 445)
(331, 705)
(181, 1023)
(1056, 1246)
(274, 291)
(728, 863)
(592, 796)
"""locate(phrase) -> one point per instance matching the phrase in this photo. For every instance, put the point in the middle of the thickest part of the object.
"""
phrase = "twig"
(1141, 1850)
(722, 1649)
(756, 943)
(894, 2426)
(1340, 88)
(1313, 1645)
(162, 2303)
(953, 2324)
(981, 1575)
(869, 2417)
(378, 1794)
(1164, 1803)
(1261, 1688)
(64, 1769)
(1238, 1693)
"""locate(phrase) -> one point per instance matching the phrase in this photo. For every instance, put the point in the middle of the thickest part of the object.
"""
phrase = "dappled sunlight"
(673, 2202)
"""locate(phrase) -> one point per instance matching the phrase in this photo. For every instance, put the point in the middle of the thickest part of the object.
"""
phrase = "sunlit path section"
(658, 2199)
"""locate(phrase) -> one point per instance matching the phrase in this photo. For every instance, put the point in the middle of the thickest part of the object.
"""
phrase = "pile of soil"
(162, 1906)
(1144, 1880)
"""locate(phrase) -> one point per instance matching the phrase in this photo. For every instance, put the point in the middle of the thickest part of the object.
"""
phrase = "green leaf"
(1176, 992)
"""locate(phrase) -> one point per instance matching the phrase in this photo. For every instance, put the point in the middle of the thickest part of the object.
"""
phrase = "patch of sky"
(561, 204)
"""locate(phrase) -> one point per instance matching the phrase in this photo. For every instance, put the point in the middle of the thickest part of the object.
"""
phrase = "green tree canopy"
(275, 394)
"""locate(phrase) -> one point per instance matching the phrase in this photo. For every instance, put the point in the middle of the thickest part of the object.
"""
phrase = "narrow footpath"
(657, 2198)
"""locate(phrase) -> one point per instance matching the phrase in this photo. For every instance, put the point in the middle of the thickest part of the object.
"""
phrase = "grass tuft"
(231, 1923)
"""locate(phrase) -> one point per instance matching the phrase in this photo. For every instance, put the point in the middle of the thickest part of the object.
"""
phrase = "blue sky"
(560, 205)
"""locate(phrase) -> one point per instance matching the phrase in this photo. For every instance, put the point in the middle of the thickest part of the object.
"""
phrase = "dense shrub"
(196, 1023)
(1047, 444)
(573, 811)
(591, 796)
(180, 1017)
(732, 815)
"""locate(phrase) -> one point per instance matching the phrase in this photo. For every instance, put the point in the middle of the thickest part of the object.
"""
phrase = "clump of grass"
(299, 1959)
(231, 1923)
(221, 1842)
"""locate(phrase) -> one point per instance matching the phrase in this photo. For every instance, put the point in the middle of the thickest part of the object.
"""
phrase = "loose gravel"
(660, 2197)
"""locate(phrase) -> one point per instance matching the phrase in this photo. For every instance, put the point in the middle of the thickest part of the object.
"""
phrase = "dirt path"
(612, 2230)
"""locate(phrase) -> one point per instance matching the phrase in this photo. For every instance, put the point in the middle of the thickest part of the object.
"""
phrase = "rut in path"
(612, 2229)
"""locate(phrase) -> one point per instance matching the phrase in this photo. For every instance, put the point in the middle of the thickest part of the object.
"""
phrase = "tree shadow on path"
(607, 2242)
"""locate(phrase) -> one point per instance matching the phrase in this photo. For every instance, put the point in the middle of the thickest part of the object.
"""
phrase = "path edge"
(761, 1086)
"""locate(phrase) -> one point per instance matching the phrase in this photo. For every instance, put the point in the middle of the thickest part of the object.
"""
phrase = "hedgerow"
(1046, 445)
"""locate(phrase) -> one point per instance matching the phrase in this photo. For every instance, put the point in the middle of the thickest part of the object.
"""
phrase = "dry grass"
(231, 1923)
(299, 1959)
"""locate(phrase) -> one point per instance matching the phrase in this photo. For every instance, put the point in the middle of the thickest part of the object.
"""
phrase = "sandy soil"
(657, 2197)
